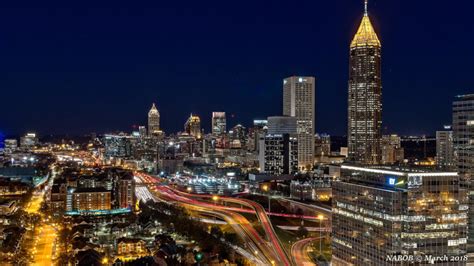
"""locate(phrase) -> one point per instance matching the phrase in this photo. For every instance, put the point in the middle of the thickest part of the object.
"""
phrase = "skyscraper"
(299, 102)
(281, 125)
(365, 95)
(444, 149)
(153, 120)
(219, 124)
(381, 212)
(278, 148)
(193, 126)
(463, 136)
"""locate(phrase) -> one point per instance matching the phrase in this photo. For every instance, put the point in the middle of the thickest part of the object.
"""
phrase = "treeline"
(213, 242)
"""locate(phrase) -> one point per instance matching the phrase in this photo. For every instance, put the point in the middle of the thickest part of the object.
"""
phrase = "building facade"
(153, 120)
(91, 199)
(379, 213)
(282, 125)
(278, 154)
(299, 102)
(444, 149)
(126, 195)
(391, 148)
(193, 126)
(463, 137)
(365, 95)
(219, 123)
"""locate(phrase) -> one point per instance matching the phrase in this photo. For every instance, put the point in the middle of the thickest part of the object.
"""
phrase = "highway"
(261, 215)
(299, 252)
(264, 252)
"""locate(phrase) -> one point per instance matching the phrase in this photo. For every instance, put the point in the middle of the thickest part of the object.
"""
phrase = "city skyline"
(153, 134)
(143, 81)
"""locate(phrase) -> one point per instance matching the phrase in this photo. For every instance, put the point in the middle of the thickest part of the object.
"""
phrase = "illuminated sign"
(391, 181)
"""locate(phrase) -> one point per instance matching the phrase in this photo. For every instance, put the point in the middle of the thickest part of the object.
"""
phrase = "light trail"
(264, 255)
(299, 252)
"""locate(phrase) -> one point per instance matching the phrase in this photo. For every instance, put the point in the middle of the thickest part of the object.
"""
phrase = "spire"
(365, 35)
(153, 110)
(366, 13)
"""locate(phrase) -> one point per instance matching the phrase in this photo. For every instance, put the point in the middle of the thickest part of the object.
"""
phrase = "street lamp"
(320, 218)
(215, 198)
(189, 189)
(266, 188)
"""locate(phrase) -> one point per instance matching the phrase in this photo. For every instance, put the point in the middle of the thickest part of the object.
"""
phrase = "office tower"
(193, 126)
(463, 136)
(219, 124)
(117, 146)
(322, 145)
(255, 133)
(278, 151)
(153, 121)
(238, 136)
(278, 154)
(299, 101)
(11, 145)
(281, 125)
(142, 131)
(391, 148)
(28, 141)
(444, 149)
(365, 95)
(383, 212)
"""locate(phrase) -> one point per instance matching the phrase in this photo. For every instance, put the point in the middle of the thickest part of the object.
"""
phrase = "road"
(264, 253)
(261, 215)
(45, 234)
(45, 237)
(299, 252)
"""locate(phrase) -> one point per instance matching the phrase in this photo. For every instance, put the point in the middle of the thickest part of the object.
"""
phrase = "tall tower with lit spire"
(365, 95)
(153, 120)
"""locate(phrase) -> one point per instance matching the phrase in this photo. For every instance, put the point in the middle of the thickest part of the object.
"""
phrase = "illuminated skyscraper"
(219, 124)
(444, 149)
(463, 136)
(379, 213)
(298, 101)
(365, 95)
(193, 126)
(153, 120)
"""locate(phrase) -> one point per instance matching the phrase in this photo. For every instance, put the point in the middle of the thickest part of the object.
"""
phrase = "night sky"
(97, 66)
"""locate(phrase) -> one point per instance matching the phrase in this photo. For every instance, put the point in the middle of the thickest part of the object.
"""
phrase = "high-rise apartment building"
(126, 195)
(444, 149)
(91, 199)
(219, 123)
(365, 95)
(463, 137)
(193, 126)
(153, 120)
(299, 102)
(382, 213)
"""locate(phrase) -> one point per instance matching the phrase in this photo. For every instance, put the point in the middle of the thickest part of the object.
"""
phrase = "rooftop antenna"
(366, 13)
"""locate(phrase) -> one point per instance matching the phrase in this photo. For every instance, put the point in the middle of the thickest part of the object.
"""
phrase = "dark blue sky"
(97, 66)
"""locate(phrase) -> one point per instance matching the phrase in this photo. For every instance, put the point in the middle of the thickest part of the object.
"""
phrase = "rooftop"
(398, 171)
